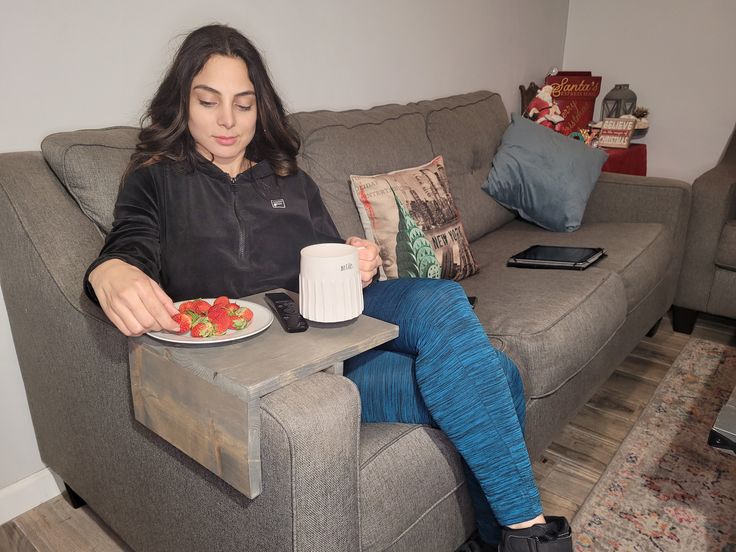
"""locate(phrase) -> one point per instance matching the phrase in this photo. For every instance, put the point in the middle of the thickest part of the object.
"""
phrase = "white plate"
(262, 319)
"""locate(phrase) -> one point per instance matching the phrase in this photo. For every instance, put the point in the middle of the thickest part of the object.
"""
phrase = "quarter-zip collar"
(262, 169)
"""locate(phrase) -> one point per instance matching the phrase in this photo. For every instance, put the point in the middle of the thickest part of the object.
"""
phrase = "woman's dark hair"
(167, 137)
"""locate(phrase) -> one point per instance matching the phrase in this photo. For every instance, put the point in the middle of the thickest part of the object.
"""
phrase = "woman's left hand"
(369, 258)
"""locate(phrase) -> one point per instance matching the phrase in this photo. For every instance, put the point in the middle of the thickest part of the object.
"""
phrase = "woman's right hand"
(131, 300)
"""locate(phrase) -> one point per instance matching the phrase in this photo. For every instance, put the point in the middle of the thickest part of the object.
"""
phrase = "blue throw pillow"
(544, 176)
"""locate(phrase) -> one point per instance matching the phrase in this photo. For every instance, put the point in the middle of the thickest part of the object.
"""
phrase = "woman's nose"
(226, 117)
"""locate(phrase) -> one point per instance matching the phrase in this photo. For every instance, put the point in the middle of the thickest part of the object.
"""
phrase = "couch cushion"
(412, 217)
(545, 176)
(466, 130)
(90, 164)
(726, 252)
(357, 142)
(530, 314)
(408, 473)
(638, 252)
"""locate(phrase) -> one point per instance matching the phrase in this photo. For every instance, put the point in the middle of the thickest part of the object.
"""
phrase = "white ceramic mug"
(330, 289)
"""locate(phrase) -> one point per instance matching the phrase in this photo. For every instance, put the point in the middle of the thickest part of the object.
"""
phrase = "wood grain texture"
(211, 426)
(56, 527)
(601, 422)
(642, 369)
(589, 451)
(12, 538)
(258, 366)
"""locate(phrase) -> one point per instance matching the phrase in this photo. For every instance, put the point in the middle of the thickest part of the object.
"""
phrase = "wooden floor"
(566, 473)
(574, 462)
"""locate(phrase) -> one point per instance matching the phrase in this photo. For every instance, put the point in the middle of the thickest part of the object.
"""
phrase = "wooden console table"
(205, 400)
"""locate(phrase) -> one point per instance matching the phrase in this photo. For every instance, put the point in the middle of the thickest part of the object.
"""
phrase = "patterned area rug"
(665, 488)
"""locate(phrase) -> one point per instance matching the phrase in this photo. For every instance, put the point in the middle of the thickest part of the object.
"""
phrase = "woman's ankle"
(525, 524)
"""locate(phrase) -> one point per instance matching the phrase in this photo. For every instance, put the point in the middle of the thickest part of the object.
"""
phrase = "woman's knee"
(442, 301)
(419, 297)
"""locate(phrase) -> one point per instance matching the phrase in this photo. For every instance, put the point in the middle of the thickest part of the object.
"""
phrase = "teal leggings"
(443, 371)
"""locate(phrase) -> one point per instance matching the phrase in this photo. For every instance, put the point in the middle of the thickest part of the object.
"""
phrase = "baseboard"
(28, 493)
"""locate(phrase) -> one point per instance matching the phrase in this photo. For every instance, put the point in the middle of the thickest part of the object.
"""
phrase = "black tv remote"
(287, 312)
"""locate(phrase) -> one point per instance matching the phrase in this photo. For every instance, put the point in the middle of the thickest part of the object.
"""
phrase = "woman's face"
(222, 111)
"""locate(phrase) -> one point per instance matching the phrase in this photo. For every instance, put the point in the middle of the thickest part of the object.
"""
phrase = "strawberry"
(238, 322)
(204, 328)
(247, 314)
(216, 310)
(231, 308)
(219, 319)
(200, 306)
(184, 321)
(221, 325)
(196, 317)
(186, 306)
(221, 300)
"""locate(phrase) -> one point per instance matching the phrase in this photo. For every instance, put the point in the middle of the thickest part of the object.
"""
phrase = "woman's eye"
(204, 103)
(244, 107)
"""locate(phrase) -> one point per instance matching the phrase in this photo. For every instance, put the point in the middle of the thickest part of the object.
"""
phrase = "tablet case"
(555, 256)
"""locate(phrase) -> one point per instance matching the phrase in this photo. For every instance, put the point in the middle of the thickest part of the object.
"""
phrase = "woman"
(195, 217)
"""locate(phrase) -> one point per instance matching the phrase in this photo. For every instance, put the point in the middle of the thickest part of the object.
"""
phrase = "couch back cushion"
(90, 164)
(465, 129)
(338, 144)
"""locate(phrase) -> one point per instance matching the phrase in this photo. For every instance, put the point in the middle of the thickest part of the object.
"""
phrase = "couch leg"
(75, 500)
(653, 330)
(683, 320)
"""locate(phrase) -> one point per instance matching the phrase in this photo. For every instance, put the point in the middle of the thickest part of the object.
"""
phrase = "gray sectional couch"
(401, 486)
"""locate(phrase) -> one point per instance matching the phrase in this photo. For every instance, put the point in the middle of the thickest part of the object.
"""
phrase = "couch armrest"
(714, 203)
(627, 198)
(320, 418)
(65, 239)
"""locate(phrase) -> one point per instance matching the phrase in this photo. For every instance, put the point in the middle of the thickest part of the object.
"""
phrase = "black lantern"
(619, 101)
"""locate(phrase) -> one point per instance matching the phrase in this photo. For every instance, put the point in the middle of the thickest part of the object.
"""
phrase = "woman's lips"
(225, 140)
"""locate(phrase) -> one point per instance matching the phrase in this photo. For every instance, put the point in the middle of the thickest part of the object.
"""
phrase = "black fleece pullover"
(205, 234)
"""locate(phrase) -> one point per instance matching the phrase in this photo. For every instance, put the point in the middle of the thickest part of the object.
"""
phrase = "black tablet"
(555, 256)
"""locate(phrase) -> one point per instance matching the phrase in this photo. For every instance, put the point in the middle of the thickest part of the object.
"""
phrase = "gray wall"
(81, 64)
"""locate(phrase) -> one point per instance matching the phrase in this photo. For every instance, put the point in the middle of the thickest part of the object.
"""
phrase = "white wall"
(20, 456)
(678, 56)
(81, 64)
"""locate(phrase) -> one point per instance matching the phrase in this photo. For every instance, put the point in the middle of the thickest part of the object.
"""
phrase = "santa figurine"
(544, 110)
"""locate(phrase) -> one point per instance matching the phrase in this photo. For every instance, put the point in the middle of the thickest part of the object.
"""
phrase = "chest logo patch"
(278, 204)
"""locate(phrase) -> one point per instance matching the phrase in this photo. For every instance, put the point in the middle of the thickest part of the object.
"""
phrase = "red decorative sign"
(574, 92)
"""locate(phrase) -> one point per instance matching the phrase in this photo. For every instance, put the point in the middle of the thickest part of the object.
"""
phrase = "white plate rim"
(261, 314)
